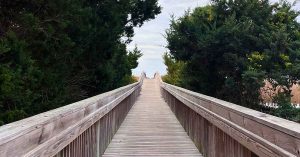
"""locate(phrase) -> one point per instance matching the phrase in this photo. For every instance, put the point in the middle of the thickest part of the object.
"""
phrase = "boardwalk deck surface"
(151, 129)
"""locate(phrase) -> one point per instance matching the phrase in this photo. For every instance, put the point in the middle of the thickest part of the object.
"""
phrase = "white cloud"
(149, 38)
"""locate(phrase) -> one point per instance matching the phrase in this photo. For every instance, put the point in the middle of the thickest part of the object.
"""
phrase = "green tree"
(174, 69)
(231, 47)
(56, 52)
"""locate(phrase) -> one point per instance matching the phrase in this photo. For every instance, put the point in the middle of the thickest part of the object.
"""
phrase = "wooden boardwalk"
(151, 129)
(87, 128)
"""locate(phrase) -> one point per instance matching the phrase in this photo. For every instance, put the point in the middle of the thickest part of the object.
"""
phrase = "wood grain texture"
(94, 141)
(70, 127)
(247, 129)
(87, 128)
(151, 129)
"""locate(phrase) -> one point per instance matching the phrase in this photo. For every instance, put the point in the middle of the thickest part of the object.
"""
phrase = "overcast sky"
(150, 37)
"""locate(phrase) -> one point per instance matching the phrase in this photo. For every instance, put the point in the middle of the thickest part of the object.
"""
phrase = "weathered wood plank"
(263, 134)
(151, 129)
(68, 127)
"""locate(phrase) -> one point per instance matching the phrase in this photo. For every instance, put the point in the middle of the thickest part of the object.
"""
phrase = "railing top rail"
(53, 114)
(263, 127)
(38, 129)
(289, 127)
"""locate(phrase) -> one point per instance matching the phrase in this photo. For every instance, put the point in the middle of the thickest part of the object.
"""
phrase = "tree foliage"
(60, 51)
(175, 69)
(232, 47)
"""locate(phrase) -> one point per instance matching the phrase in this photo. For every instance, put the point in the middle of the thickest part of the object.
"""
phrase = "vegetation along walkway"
(151, 129)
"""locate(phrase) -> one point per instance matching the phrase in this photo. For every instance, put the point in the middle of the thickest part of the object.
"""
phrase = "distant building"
(268, 92)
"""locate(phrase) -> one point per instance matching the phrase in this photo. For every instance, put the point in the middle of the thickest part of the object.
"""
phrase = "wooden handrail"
(262, 134)
(49, 133)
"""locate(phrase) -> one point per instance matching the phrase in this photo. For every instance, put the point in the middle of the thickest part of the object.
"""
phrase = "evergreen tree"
(56, 52)
(232, 47)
